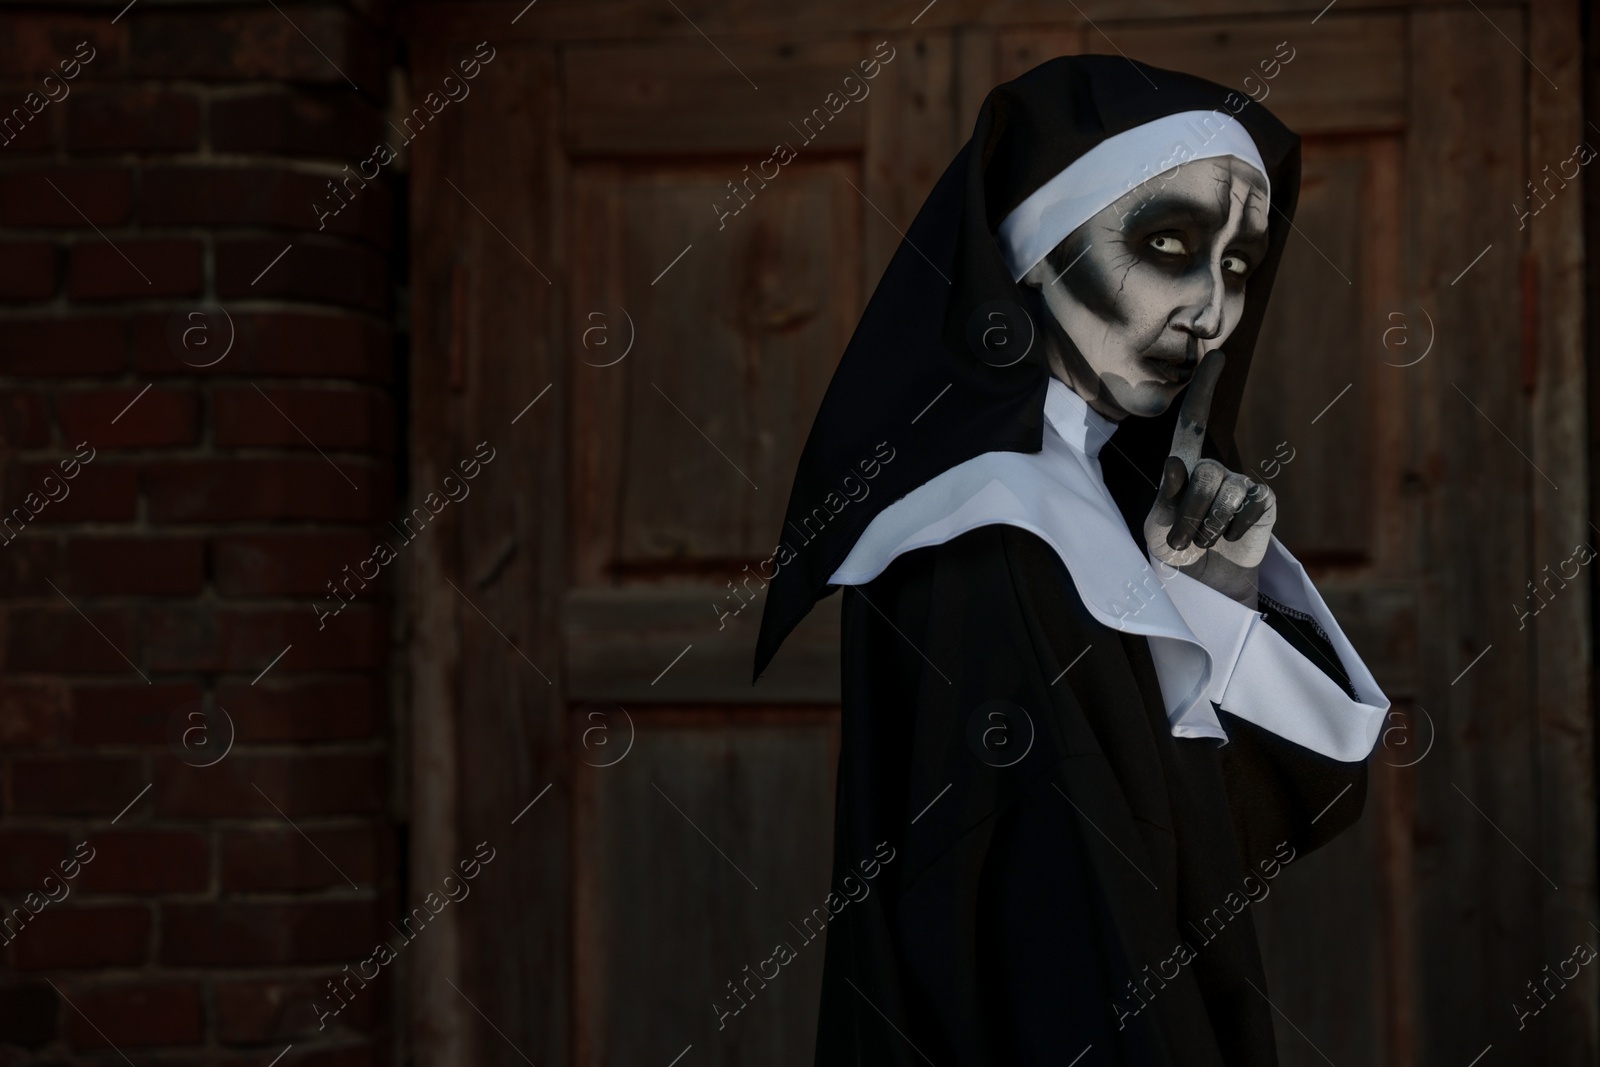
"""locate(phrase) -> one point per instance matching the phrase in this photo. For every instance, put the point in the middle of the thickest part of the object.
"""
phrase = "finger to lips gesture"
(1207, 519)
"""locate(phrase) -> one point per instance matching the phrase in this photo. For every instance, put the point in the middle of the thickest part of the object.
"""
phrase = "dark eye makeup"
(1170, 246)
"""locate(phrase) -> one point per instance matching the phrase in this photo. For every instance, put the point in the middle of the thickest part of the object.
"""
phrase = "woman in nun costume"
(1089, 702)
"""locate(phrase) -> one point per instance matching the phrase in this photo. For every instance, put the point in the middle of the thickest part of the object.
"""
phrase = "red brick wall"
(183, 557)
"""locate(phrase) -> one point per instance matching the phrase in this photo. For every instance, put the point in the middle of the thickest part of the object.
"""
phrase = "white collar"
(1205, 646)
(1080, 426)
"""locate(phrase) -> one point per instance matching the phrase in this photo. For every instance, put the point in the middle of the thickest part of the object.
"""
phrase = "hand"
(1208, 521)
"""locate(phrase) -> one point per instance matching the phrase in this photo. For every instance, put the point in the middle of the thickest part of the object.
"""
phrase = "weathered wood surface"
(694, 854)
(1564, 645)
(1345, 74)
(911, 137)
(1308, 416)
(1478, 902)
(484, 590)
(555, 21)
(436, 1028)
(681, 98)
(620, 641)
(733, 348)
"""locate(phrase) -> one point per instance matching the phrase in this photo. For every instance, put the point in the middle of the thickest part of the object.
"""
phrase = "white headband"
(1099, 177)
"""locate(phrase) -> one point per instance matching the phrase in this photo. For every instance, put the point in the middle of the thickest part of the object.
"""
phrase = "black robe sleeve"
(1278, 790)
(1306, 637)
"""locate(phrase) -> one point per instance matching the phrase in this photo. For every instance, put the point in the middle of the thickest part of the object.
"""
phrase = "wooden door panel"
(1347, 73)
(688, 443)
(1021, 48)
(911, 137)
(695, 854)
(737, 362)
(681, 455)
(682, 98)
(620, 640)
(1478, 904)
(561, 21)
(1310, 409)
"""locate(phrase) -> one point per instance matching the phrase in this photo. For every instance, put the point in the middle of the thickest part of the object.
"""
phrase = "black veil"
(932, 369)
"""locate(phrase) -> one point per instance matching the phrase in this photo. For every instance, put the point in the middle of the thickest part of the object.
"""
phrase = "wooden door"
(623, 285)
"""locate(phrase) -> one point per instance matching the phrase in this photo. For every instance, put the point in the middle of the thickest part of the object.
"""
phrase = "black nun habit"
(1083, 769)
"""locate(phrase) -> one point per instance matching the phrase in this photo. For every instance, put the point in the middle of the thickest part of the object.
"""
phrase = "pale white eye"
(1168, 244)
(1235, 265)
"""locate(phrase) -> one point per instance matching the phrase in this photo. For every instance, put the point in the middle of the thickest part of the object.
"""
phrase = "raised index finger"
(1191, 429)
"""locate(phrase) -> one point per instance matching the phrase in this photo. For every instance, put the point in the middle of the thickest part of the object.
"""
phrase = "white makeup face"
(1149, 285)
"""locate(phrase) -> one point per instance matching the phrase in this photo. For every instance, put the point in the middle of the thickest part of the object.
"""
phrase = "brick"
(132, 119)
(75, 785)
(245, 785)
(209, 195)
(68, 935)
(278, 343)
(200, 734)
(97, 270)
(257, 1010)
(190, 1057)
(27, 561)
(29, 270)
(146, 861)
(236, 934)
(348, 276)
(283, 860)
(293, 564)
(135, 1016)
(99, 490)
(326, 123)
(332, 419)
(27, 856)
(192, 637)
(52, 640)
(30, 1014)
(32, 713)
(103, 194)
(276, 489)
(61, 347)
(318, 709)
(43, 41)
(134, 714)
(343, 1055)
(24, 130)
(259, 44)
(157, 418)
(24, 418)
(132, 566)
